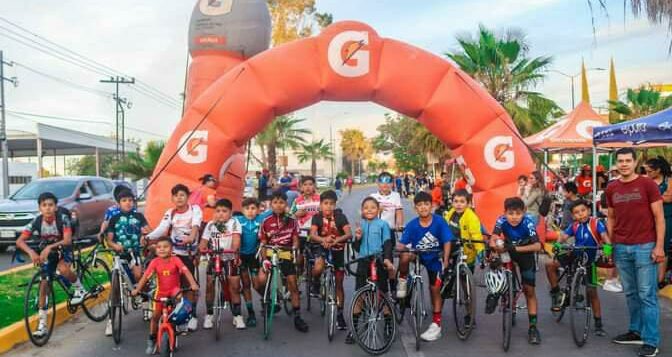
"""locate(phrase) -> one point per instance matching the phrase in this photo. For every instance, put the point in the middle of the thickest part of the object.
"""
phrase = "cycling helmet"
(181, 313)
(385, 177)
(495, 281)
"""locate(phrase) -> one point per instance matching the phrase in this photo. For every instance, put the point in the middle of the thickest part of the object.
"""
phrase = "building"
(20, 173)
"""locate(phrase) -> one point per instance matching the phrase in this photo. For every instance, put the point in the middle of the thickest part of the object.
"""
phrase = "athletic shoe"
(151, 347)
(433, 333)
(42, 324)
(599, 331)
(613, 285)
(239, 323)
(349, 339)
(401, 288)
(340, 322)
(78, 296)
(300, 325)
(108, 328)
(192, 325)
(556, 301)
(647, 351)
(533, 336)
(629, 338)
(251, 321)
(207, 322)
(491, 303)
(315, 289)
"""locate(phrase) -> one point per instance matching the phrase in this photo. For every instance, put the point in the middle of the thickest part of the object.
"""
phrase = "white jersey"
(220, 235)
(179, 224)
(388, 207)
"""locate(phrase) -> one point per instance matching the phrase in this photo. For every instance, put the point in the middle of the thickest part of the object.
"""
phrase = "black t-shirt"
(334, 225)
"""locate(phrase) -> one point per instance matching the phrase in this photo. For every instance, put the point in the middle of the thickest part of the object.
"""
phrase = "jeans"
(639, 275)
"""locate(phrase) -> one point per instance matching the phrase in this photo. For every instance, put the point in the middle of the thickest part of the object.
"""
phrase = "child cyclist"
(373, 237)
(124, 235)
(587, 232)
(54, 234)
(427, 231)
(330, 229)
(303, 209)
(250, 222)
(182, 224)
(518, 234)
(282, 230)
(168, 270)
(465, 224)
(391, 210)
(223, 233)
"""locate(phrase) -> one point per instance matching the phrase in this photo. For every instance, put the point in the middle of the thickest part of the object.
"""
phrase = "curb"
(15, 333)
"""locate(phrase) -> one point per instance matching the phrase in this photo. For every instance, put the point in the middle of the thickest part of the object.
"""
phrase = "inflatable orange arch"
(348, 61)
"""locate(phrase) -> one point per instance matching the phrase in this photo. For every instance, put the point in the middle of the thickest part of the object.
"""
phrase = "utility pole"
(120, 113)
(3, 126)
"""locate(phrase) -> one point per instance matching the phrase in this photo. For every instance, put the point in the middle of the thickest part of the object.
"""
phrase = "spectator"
(522, 186)
(584, 181)
(445, 189)
(658, 169)
(407, 185)
(338, 186)
(535, 194)
(285, 182)
(399, 185)
(636, 224)
(262, 184)
(205, 196)
(349, 184)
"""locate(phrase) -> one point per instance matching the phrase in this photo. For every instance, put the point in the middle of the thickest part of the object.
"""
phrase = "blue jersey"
(435, 236)
(525, 232)
(374, 234)
(584, 237)
(249, 239)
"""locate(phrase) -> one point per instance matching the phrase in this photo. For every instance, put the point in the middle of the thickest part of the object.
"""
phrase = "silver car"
(87, 197)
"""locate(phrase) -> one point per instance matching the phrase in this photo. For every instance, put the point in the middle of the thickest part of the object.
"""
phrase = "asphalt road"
(80, 337)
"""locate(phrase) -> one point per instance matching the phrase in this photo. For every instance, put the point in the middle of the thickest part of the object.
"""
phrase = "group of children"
(313, 223)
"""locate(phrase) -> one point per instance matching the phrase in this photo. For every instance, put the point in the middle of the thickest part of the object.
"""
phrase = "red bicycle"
(176, 311)
(219, 263)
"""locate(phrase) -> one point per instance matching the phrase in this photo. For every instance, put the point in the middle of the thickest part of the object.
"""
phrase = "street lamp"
(571, 77)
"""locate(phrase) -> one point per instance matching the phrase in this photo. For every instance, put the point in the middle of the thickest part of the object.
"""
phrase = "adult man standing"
(636, 225)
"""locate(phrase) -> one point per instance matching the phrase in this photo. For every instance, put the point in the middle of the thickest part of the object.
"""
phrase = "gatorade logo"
(499, 154)
(585, 128)
(195, 150)
(348, 54)
(215, 7)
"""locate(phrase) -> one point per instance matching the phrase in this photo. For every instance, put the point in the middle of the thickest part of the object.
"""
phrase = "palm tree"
(428, 143)
(355, 147)
(501, 64)
(283, 133)
(142, 166)
(313, 152)
(640, 102)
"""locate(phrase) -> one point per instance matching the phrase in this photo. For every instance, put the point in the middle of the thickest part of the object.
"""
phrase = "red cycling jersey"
(278, 230)
(168, 272)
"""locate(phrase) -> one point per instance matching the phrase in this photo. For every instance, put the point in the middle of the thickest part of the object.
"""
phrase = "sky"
(148, 40)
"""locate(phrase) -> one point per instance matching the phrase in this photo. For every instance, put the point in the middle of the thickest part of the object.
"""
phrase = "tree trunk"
(352, 168)
(313, 167)
(272, 159)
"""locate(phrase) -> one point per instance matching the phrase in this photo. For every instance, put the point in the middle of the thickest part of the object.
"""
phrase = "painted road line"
(408, 342)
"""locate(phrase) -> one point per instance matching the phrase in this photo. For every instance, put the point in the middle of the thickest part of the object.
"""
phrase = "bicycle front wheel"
(372, 320)
(508, 304)
(115, 306)
(217, 307)
(417, 309)
(579, 307)
(464, 302)
(95, 278)
(32, 305)
(331, 304)
(270, 301)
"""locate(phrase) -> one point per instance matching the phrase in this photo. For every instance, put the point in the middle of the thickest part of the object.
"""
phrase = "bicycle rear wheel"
(217, 307)
(331, 304)
(307, 281)
(95, 278)
(417, 310)
(508, 305)
(372, 320)
(579, 309)
(464, 303)
(270, 300)
(115, 306)
(32, 306)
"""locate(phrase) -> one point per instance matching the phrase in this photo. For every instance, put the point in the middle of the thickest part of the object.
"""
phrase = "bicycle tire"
(115, 306)
(286, 300)
(271, 302)
(323, 297)
(580, 310)
(331, 305)
(417, 309)
(307, 281)
(165, 350)
(217, 304)
(95, 286)
(507, 312)
(464, 301)
(370, 297)
(31, 307)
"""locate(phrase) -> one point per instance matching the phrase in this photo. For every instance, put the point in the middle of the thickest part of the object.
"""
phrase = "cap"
(585, 167)
(599, 168)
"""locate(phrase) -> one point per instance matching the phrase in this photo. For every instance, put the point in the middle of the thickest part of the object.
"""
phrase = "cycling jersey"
(583, 236)
(249, 239)
(179, 225)
(389, 204)
(219, 235)
(310, 205)
(279, 230)
(434, 236)
(331, 226)
(48, 230)
(168, 272)
(374, 235)
(466, 226)
(126, 228)
(524, 232)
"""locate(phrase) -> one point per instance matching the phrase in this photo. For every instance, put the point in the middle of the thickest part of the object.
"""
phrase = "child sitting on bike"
(53, 233)
(223, 233)
(518, 233)
(249, 264)
(428, 231)
(182, 224)
(112, 211)
(168, 270)
(371, 238)
(466, 225)
(124, 234)
(587, 232)
(391, 210)
(328, 232)
(282, 230)
(303, 209)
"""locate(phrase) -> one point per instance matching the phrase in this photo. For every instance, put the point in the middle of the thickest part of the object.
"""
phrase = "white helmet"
(495, 281)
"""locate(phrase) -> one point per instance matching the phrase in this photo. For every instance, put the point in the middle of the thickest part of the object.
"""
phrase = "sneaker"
(42, 324)
(647, 351)
(207, 322)
(433, 333)
(629, 338)
(613, 285)
(108, 328)
(151, 347)
(468, 321)
(300, 325)
(401, 288)
(533, 337)
(78, 296)
(315, 290)
(556, 301)
(239, 323)
(599, 331)
(146, 312)
(349, 339)
(251, 321)
(491, 303)
(181, 329)
(192, 325)
(340, 322)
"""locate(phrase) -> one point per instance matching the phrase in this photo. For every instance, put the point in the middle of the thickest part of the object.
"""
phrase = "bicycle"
(273, 290)
(121, 285)
(575, 275)
(92, 272)
(166, 338)
(510, 292)
(220, 267)
(463, 293)
(328, 299)
(376, 308)
(308, 263)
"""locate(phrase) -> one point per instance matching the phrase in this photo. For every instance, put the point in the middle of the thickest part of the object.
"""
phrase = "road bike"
(275, 289)
(220, 261)
(122, 282)
(508, 296)
(459, 286)
(328, 300)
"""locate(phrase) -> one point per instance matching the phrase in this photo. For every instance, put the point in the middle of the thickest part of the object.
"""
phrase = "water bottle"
(506, 258)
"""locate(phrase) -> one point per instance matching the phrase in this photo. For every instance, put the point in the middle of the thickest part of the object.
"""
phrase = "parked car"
(87, 197)
(359, 179)
(322, 182)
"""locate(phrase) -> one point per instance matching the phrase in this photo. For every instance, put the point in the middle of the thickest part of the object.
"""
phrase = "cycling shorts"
(55, 257)
(526, 265)
(249, 263)
(337, 256)
(189, 263)
(363, 273)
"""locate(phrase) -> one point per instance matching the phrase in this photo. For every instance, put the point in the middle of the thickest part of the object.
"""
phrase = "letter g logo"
(194, 151)
(498, 153)
(347, 56)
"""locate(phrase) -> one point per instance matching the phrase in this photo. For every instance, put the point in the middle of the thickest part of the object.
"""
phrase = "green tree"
(501, 64)
(283, 133)
(398, 135)
(640, 102)
(140, 166)
(313, 152)
(86, 166)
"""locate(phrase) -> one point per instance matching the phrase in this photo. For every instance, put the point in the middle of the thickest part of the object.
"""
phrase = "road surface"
(80, 337)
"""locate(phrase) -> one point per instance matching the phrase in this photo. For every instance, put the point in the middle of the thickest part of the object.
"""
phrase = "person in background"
(285, 181)
(205, 196)
(584, 181)
(522, 186)
(348, 182)
(293, 191)
(262, 184)
(445, 189)
(571, 195)
(437, 198)
(399, 185)
(534, 196)
(407, 185)
(602, 178)
(338, 186)
(658, 169)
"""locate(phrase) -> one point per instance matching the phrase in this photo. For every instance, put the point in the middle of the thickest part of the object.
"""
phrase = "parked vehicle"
(87, 197)
(322, 182)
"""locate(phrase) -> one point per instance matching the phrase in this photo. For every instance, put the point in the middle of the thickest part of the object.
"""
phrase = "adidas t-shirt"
(389, 204)
(434, 236)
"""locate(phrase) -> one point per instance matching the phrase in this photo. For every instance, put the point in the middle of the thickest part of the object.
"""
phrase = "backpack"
(545, 205)
(60, 212)
(592, 227)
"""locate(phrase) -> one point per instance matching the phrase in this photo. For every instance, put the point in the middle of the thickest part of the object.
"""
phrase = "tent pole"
(594, 180)
(545, 165)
